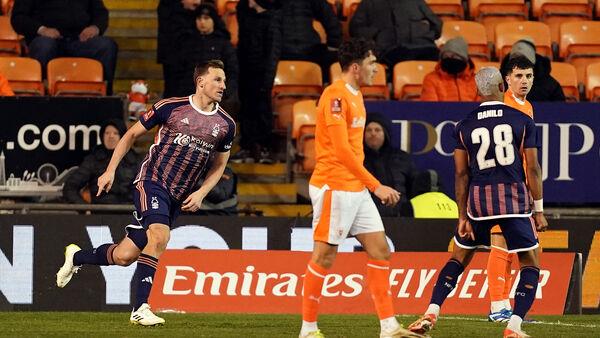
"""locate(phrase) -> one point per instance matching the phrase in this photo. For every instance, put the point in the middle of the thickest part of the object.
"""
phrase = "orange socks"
(313, 284)
(508, 275)
(496, 271)
(378, 279)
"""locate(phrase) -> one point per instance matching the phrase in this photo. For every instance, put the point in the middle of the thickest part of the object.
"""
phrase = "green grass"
(110, 324)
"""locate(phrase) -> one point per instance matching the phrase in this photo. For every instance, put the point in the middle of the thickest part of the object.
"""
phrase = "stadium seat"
(75, 77)
(580, 44)
(231, 24)
(473, 32)
(10, 42)
(507, 33)
(566, 75)
(294, 81)
(592, 82)
(349, 7)
(555, 12)
(492, 12)
(377, 91)
(481, 64)
(318, 27)
(303, 131)
(226, 6)
(597, 6)
(447, 10)
(408, 78)
(23, 74)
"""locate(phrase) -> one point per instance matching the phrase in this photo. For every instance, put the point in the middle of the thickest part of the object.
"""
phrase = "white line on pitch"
(558, 323)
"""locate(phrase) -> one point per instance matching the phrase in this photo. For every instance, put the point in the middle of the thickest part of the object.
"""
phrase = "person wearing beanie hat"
(454, 76)
(545, 87)
(93, 165)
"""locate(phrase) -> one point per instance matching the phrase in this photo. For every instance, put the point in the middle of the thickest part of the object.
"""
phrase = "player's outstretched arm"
(193, 202)
(534, 182)
(105, 181)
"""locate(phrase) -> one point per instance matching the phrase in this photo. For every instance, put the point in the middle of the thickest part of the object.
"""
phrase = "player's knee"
(324, 260)
(125, 259)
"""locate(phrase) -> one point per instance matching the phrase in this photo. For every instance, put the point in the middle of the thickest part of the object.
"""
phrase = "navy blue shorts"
(519, 232)
(153, 204)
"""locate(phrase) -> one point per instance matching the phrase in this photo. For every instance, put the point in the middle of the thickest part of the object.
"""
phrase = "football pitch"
(111, 324)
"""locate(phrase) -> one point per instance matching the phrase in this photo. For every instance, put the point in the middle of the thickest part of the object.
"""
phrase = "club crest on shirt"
(215, 130)
(336, 105)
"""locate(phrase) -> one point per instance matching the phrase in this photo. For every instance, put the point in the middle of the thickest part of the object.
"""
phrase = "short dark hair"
(354, 51)
(518, 61)
(202, 67)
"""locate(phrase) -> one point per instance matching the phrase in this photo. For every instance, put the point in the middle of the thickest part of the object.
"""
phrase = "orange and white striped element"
(378, 278)
(337, 214)
(314, 277)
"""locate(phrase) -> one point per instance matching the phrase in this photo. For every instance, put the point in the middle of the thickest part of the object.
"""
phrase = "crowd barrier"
(31, 250)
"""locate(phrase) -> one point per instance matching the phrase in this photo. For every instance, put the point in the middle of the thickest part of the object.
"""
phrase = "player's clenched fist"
(541, 223)
(105, 182)
(388, 196)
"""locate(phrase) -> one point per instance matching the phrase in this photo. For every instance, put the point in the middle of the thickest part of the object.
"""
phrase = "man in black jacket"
(259, 49)
(402, 30)
(301, 41)
(391, 166)
(545, 87)
(94, 164)
(55, 28)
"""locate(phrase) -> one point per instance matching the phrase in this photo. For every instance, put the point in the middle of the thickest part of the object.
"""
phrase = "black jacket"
(392, 167)
(391, 23)
(176, 26)
(299, 36)
(69, 17)
(94, 165)
(259, 44)
(545, 87)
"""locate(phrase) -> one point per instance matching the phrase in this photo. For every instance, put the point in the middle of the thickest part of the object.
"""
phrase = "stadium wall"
(31, 250)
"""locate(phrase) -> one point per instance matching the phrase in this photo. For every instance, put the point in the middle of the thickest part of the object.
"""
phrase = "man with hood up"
(391, 166)
(454, 76)
(545, 87)
(95, 163)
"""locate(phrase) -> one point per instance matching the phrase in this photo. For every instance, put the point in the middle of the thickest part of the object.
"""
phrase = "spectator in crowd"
(58, 28)
(391, 166)
(176, 26)
(94, 164)
(5, 89)
(454, 76)
(211, 41)
(402, 30)
(259, 49)
(222, 199)
(301, 41)
(545, 87)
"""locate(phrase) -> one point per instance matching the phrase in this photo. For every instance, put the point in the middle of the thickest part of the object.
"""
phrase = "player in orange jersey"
(499, 268)
(339, 191)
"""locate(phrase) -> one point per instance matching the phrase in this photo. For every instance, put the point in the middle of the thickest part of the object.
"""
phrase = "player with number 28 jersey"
(495, 136)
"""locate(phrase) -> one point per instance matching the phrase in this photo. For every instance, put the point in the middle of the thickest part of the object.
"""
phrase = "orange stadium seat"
(555, 12)
(23, 74)
(597, 5)
(303, 131)
(75, 77)
(592, 82)
(408, 78)
(294, 81)
(566, 75)
(226, 6)
(376, 91)
(473, 32)
(580, 44)
(318, 27)
(481, 64)
(349, 7)
(447, 10)
(10, 42)
(507, 33)
(231, 24)
(492, 12)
